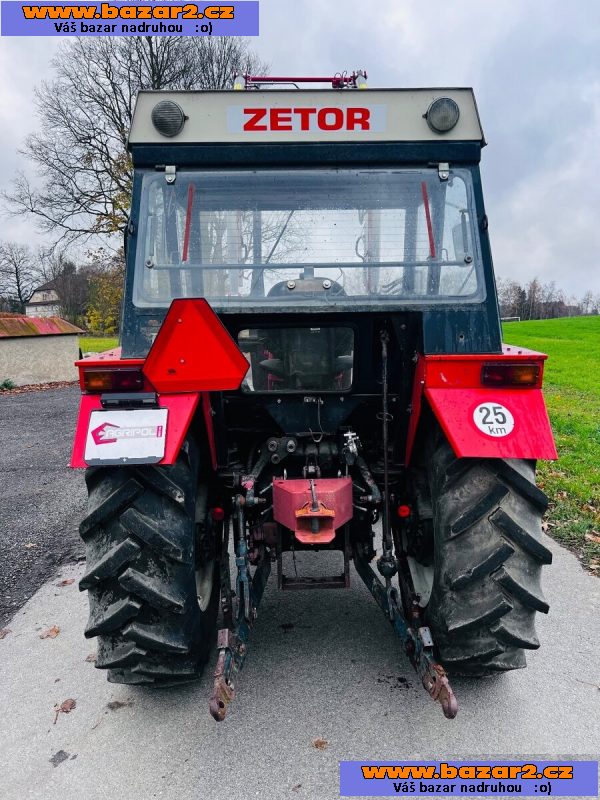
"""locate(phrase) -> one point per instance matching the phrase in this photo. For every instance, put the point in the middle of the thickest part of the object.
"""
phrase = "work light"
(168, 118)
(442, 115)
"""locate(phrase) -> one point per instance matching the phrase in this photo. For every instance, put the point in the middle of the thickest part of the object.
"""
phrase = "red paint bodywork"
(192, 355)
(181, 410)
(292, 507)
(452, 386)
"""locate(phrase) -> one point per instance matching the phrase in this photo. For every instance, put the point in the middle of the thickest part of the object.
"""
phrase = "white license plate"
(135, 436)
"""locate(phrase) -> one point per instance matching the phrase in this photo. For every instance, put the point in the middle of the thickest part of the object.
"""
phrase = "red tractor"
(310, 359)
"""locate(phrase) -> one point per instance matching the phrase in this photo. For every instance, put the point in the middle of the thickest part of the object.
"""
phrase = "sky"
(535, 68)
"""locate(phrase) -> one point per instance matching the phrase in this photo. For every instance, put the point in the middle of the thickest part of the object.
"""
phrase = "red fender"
(192, 355)
(482, 421)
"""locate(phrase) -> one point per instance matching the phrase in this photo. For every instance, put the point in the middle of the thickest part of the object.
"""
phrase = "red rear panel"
(483, 421)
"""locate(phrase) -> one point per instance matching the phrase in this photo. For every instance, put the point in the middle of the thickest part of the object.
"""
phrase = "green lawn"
(96, 344)
(572, 390)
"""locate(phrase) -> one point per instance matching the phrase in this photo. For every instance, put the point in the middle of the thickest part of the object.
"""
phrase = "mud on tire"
(140, 538)
(488, 557)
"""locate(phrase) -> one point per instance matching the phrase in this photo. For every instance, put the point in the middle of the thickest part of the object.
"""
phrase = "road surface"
(323, 665)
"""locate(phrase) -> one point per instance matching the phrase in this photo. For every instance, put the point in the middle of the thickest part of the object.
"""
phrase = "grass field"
(572, 390)
(96, 344)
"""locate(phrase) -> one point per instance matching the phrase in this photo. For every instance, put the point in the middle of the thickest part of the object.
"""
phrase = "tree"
(19, 275)
(106, 279)
(85, 113)
(534, 290)
(587, 302)
(542, 300)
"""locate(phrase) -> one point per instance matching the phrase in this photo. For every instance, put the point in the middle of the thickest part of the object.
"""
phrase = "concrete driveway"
(337, 674)
(323, 665)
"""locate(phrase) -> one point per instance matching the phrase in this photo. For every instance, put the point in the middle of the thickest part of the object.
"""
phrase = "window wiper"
(188, 223)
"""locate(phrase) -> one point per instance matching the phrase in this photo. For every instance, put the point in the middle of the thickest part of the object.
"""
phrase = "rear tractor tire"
(152, 572)
(488, 556)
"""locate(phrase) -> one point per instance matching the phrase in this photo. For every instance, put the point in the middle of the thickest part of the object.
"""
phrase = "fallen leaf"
(29, 545)
(66, 582)
(51, 633)
(4, 632)
(320, 744)
(544, 526)
(593, 537)
(297, 787)
(115, 705)
(64, 708)
(91, 658)
(58, 758)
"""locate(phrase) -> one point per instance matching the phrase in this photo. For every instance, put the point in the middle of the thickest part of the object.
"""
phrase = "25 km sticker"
(493, 419)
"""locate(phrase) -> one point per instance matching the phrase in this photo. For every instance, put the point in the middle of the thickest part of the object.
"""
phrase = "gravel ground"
(41, 499)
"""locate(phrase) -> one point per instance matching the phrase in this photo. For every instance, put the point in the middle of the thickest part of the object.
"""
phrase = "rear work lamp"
(113, 380)
(510, 374)
(168, 118)
(442, 115)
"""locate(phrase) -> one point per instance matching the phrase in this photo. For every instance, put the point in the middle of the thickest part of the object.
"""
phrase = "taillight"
(510, 374)
(113, 380)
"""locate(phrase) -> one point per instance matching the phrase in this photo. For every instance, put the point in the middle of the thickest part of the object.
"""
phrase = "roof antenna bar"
(341, 80)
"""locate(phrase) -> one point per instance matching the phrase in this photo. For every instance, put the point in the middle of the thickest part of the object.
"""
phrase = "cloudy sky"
(535, 68)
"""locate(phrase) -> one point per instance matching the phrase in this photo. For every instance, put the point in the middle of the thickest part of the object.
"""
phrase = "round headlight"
(442, 115)
(168, 118)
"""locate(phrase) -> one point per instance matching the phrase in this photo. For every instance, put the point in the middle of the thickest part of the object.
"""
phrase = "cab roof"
(302, 116)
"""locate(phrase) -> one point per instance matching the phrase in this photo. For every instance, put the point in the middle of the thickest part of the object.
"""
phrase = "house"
(37, 349)
(44, 302)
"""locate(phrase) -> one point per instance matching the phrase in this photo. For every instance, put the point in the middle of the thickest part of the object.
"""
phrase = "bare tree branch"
(19, 274)
(85, 113)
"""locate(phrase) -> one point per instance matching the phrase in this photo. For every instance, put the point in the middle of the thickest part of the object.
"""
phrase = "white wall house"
(44, 302)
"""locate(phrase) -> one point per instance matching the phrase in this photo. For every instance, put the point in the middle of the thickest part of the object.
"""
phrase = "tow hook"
(416, 637)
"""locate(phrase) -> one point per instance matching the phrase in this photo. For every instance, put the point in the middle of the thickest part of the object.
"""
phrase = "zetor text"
(306, 119)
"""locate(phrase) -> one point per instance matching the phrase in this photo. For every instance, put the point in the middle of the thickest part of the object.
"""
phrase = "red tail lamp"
(510, 374)
(403, 511)
(113, 380)
(193, 351)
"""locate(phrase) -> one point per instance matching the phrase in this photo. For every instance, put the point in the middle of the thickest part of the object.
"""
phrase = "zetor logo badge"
(307, 119)
(107, 433)
(299, 119)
